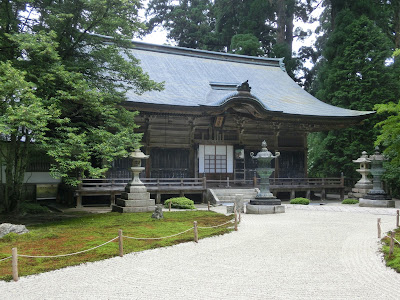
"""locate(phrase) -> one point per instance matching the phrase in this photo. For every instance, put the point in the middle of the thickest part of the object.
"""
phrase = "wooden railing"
(113, 187)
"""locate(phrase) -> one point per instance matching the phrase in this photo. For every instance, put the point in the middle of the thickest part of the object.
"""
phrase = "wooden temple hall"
(216, 108)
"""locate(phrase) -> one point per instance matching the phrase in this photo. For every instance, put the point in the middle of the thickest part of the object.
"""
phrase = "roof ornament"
(244, 87)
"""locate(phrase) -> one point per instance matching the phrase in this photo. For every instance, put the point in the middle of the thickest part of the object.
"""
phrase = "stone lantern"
(362, 186)
(135, 198)
(377, 197)
(265, 202)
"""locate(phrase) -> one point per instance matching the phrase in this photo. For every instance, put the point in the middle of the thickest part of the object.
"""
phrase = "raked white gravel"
(301, 254)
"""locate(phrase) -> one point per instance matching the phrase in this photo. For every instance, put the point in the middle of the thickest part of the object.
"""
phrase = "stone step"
(229, 195)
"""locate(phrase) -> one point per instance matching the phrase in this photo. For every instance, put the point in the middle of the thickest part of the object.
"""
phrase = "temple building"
(216, 108)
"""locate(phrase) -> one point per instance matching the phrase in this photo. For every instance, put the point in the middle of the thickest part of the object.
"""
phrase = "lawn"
(81, 233)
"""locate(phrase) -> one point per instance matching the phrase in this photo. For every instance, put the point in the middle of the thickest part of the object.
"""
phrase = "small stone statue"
(158, 213)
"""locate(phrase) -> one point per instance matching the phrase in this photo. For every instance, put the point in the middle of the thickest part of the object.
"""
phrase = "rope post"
(196, 234)
(236, 221)
(208, 205)
(120, 243)
(169, 205)
(397, 219)
(15, 264)
(391, 243)
(379, 228)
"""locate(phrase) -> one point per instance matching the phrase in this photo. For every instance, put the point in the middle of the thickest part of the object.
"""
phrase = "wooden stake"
(236, 221)
(397, 219)
(196, 234)
(170, 202)
(379, 228)
(391, 243)
(15, 264)
(209, 206)
(120, 243)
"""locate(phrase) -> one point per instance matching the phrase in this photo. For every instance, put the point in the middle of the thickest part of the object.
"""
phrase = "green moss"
(302, 201)
(90, 230)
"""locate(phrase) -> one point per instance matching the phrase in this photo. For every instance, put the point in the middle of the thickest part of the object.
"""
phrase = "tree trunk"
(281, 21)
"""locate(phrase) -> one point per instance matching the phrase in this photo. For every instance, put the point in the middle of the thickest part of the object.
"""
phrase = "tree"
(352, 75)
(246, 44)
(212, 25)
(389, 138)
(190, 23)
(77, 79)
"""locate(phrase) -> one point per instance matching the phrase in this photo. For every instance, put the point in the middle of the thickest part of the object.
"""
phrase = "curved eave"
(240, 101)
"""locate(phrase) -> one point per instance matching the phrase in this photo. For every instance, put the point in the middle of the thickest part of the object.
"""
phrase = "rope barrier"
(159, 238)
(216, 226)
(6, 258)
(69, 254)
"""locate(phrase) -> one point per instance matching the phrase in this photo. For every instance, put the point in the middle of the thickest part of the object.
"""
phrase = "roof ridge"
(222, 56)
(275, 62)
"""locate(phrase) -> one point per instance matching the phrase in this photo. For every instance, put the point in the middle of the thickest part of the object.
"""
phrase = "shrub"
(180, 202)
(302, 201)
(33, 208)
(350, 201)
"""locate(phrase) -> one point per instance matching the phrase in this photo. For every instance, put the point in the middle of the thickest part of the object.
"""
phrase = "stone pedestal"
(135, 198)
(364, 185)
(376, 203)
(377, 197)
(264, 209)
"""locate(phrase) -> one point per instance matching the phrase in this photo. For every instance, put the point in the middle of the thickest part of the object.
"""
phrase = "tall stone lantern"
(265, 202)
(364, 185)
(135, 198)
(377, 197)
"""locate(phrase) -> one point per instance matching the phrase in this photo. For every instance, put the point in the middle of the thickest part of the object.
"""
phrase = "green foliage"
(246, 44)
(213, 25)
(353, 75)
(180, 202)
(302, 201)
(33, 208)
(389, 138)
(392, 261)
(350, 201)
(61, 86)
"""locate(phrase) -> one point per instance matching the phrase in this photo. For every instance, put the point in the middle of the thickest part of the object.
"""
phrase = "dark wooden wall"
(172, 141)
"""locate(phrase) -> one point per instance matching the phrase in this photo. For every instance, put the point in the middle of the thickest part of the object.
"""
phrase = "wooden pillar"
(276, 173)
(192, 152)
(323, 194)
(158, 198)
(305, 147)
(79, 201)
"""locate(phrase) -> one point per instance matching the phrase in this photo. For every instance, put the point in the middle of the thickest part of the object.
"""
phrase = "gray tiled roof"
(189, 76)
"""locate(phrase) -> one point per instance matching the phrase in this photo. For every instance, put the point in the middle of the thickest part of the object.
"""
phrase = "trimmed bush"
(350, 201)
(33, 208)
(180, 202)
(302, 201)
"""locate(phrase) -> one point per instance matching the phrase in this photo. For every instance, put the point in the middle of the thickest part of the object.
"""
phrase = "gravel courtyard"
(326, 252)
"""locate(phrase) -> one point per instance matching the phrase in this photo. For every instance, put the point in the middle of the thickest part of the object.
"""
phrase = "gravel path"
(315, 253)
